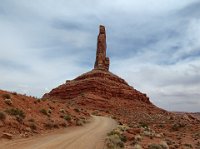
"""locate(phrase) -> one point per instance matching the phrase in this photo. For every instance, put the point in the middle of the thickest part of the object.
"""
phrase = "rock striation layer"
(99, 81)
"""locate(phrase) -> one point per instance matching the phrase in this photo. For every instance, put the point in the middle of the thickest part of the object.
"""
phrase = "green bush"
(137, 146)
(51, 125)
(31, 120)
(43, 99)
(14, 93)
(2, 116)
(114, 132)
(33, 126)
(6, 96)
(114, 142)
(188, 145)
(79, 123)
(177, 126)
(143, 124)
(154, 146)
(16, 112)
(49, 111)
(8, 101)
(44, 111)
(123, 138)
(62, 110)
(48, 125)
(116, 139)
(162, 145)
(77, 110)
(63, 124)
(67, 117)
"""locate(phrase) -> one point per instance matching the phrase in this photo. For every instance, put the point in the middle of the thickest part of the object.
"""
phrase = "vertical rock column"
(102, 62)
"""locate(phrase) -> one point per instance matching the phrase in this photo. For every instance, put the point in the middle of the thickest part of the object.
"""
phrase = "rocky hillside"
(103, 93)
(23, 116)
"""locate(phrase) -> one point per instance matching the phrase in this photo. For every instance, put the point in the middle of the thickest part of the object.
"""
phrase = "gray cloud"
(154, 45)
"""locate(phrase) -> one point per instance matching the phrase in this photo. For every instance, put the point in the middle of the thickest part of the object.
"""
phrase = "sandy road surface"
(90, 136)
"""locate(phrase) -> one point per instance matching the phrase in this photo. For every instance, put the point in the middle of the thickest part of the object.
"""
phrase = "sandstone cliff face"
(100, 83)
(102, 62)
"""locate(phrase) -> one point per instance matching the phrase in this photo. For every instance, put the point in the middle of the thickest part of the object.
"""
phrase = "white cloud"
(151, 44)
(173, 87)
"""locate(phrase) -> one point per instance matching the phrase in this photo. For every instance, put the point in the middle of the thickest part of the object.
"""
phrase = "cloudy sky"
(153, 44)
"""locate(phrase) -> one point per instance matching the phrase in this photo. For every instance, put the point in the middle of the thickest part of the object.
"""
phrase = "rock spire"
(102, 62)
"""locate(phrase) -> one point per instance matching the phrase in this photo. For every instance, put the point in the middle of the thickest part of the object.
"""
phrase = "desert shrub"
(48, 125)
(116, 139)
(77, 110)
(67, 117)
(137, 146)
(188, 145)
(161, 126)
(44, 111)
(169, 141)
(8, 101)
(138, 137)
(114, 142)
(114, 117)
(79, 122)
(51, 125)
(19, 119)
(2, 116)
(49, 111)
(147, 133)
(123, 138)
(123, 127)
(113, 132)
(31, 120)
(14, 93)
(82, 95)
(118, 133)
(33, 126)
(43, 99)
(16, 112)
(63, 124)
(95, 113)
(162, 145)
(143, 124)
(62, 110)
(55, 126)
(196, 135)
(6, 96)
(154, 146)
(83, 119)
(177, 126)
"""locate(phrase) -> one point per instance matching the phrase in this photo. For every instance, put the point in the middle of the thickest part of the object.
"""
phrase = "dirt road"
(90, 136)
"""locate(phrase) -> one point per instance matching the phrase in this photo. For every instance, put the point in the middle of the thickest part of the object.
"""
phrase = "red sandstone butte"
(99, 81)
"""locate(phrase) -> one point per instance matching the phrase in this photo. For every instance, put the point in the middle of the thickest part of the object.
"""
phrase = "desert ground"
(90, 136)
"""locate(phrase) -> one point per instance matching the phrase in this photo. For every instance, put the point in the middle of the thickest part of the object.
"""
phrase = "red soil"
(37, 116)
